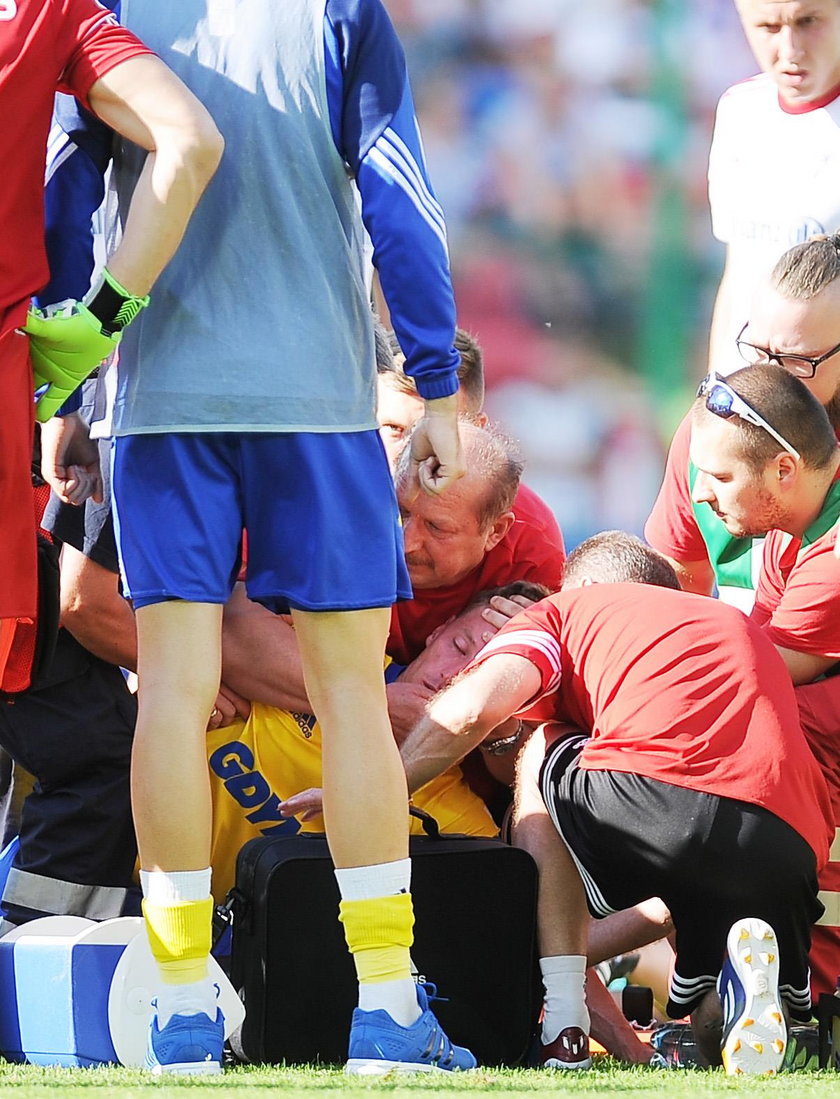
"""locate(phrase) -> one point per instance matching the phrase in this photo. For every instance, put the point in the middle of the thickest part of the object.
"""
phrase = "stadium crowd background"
(568, 143)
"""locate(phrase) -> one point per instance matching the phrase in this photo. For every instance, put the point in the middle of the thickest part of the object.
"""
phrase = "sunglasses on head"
(723, 401)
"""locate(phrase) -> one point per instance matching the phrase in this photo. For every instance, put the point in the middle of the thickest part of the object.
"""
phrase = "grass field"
(28, 1082)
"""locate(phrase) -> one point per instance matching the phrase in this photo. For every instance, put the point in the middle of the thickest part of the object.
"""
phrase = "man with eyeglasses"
(774, 165)
(768, 463)
(795, 323)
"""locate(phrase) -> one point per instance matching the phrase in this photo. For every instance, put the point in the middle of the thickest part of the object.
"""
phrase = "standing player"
(774, 167)
(78, 46)
(246, 398)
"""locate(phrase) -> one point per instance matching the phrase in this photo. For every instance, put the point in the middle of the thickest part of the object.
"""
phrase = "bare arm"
(804, 667)
(694, 576)
(465, 713)
(145, 102)
(93, 610)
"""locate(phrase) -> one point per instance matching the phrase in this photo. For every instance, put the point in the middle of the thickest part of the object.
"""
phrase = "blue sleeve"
(375, 131)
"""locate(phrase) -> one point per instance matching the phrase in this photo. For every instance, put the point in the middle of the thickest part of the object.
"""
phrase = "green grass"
(28, 1082)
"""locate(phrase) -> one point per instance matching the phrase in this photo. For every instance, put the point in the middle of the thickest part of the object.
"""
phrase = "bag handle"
(430, 825)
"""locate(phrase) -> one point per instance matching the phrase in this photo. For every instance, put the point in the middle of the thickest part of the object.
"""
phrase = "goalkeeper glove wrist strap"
(112, 305)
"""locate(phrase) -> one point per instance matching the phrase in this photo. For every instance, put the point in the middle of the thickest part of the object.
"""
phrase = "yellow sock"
(379, 934)
(180, 936)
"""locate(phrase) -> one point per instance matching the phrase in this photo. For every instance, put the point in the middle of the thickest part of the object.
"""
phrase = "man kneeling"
(695, 785)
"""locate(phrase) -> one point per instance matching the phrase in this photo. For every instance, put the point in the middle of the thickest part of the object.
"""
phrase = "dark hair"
(516, 587)
(382, 348)
(789, 407)
(807, 268)
(616, 557)
(470, 372)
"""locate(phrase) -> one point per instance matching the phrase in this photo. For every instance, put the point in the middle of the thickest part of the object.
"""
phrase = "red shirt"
(676, 687)
(46, 45)
(799, 593)
(672, 525)
(531, 550)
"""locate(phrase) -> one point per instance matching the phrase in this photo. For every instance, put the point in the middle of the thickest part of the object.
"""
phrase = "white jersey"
(774, 181)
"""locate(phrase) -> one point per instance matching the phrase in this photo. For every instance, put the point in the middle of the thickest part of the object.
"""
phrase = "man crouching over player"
(695, 785)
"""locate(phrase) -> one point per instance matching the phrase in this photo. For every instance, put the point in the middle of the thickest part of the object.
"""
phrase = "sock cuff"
(563, 963)
(364, 883)
(180, 934)
(167, 887)
(380, 922)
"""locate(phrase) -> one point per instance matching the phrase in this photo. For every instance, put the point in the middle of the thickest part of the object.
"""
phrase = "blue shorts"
(320, 512)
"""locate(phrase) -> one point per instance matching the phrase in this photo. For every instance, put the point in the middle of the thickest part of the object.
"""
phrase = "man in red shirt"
(530, 546)
(78, 47)
(795, 323)
(758, 487)
(696, 785)
(468, 540)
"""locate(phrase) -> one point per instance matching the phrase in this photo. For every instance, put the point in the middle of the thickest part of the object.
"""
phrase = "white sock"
(175, 887)
(398, 998)
(564, 980)
(365, 883)
(187, 1000)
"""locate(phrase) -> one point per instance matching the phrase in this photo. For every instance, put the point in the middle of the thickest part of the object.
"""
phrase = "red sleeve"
(805, 618)
(529, 634)
(91, 43)
(672, 527)
(771, 582)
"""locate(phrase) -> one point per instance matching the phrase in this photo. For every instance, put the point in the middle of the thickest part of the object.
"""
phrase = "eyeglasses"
(802, 366)
(723, 401)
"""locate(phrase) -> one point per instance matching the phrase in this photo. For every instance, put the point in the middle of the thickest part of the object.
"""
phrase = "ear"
(498, 530)
(787, 470)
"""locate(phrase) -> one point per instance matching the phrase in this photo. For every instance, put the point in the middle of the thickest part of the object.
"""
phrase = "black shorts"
(712, 860)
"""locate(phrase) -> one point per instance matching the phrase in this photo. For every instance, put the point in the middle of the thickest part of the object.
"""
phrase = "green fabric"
(733, 558)
(65, 348)
(730, 557)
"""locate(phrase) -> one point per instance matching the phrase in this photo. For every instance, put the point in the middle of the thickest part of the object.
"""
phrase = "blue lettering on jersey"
(234, 764)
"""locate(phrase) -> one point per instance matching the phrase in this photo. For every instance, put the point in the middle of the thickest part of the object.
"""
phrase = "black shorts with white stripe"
(712, 860)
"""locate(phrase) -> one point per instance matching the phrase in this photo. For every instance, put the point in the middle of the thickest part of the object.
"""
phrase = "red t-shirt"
(531, 550)
(45, 45)
(672, 526)
(677, 687)
(799, 594)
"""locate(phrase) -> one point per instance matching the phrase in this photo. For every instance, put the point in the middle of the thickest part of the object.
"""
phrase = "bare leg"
(625, 931)
(707, 1024)
(562, 915)
(610, 1028)
(179, 669)
(365, 794)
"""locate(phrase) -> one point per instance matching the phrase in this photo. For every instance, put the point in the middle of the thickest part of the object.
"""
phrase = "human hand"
(65, 347)
(70, 459)
(501, 609)
(406, 705)
(229, 707)
(307, 805)
(436, 456)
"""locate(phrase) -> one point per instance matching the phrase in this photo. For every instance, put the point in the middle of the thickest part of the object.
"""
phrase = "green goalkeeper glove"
(64, 347)
(69, 343)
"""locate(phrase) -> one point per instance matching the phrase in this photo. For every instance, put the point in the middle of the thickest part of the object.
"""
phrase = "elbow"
(208, 146)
